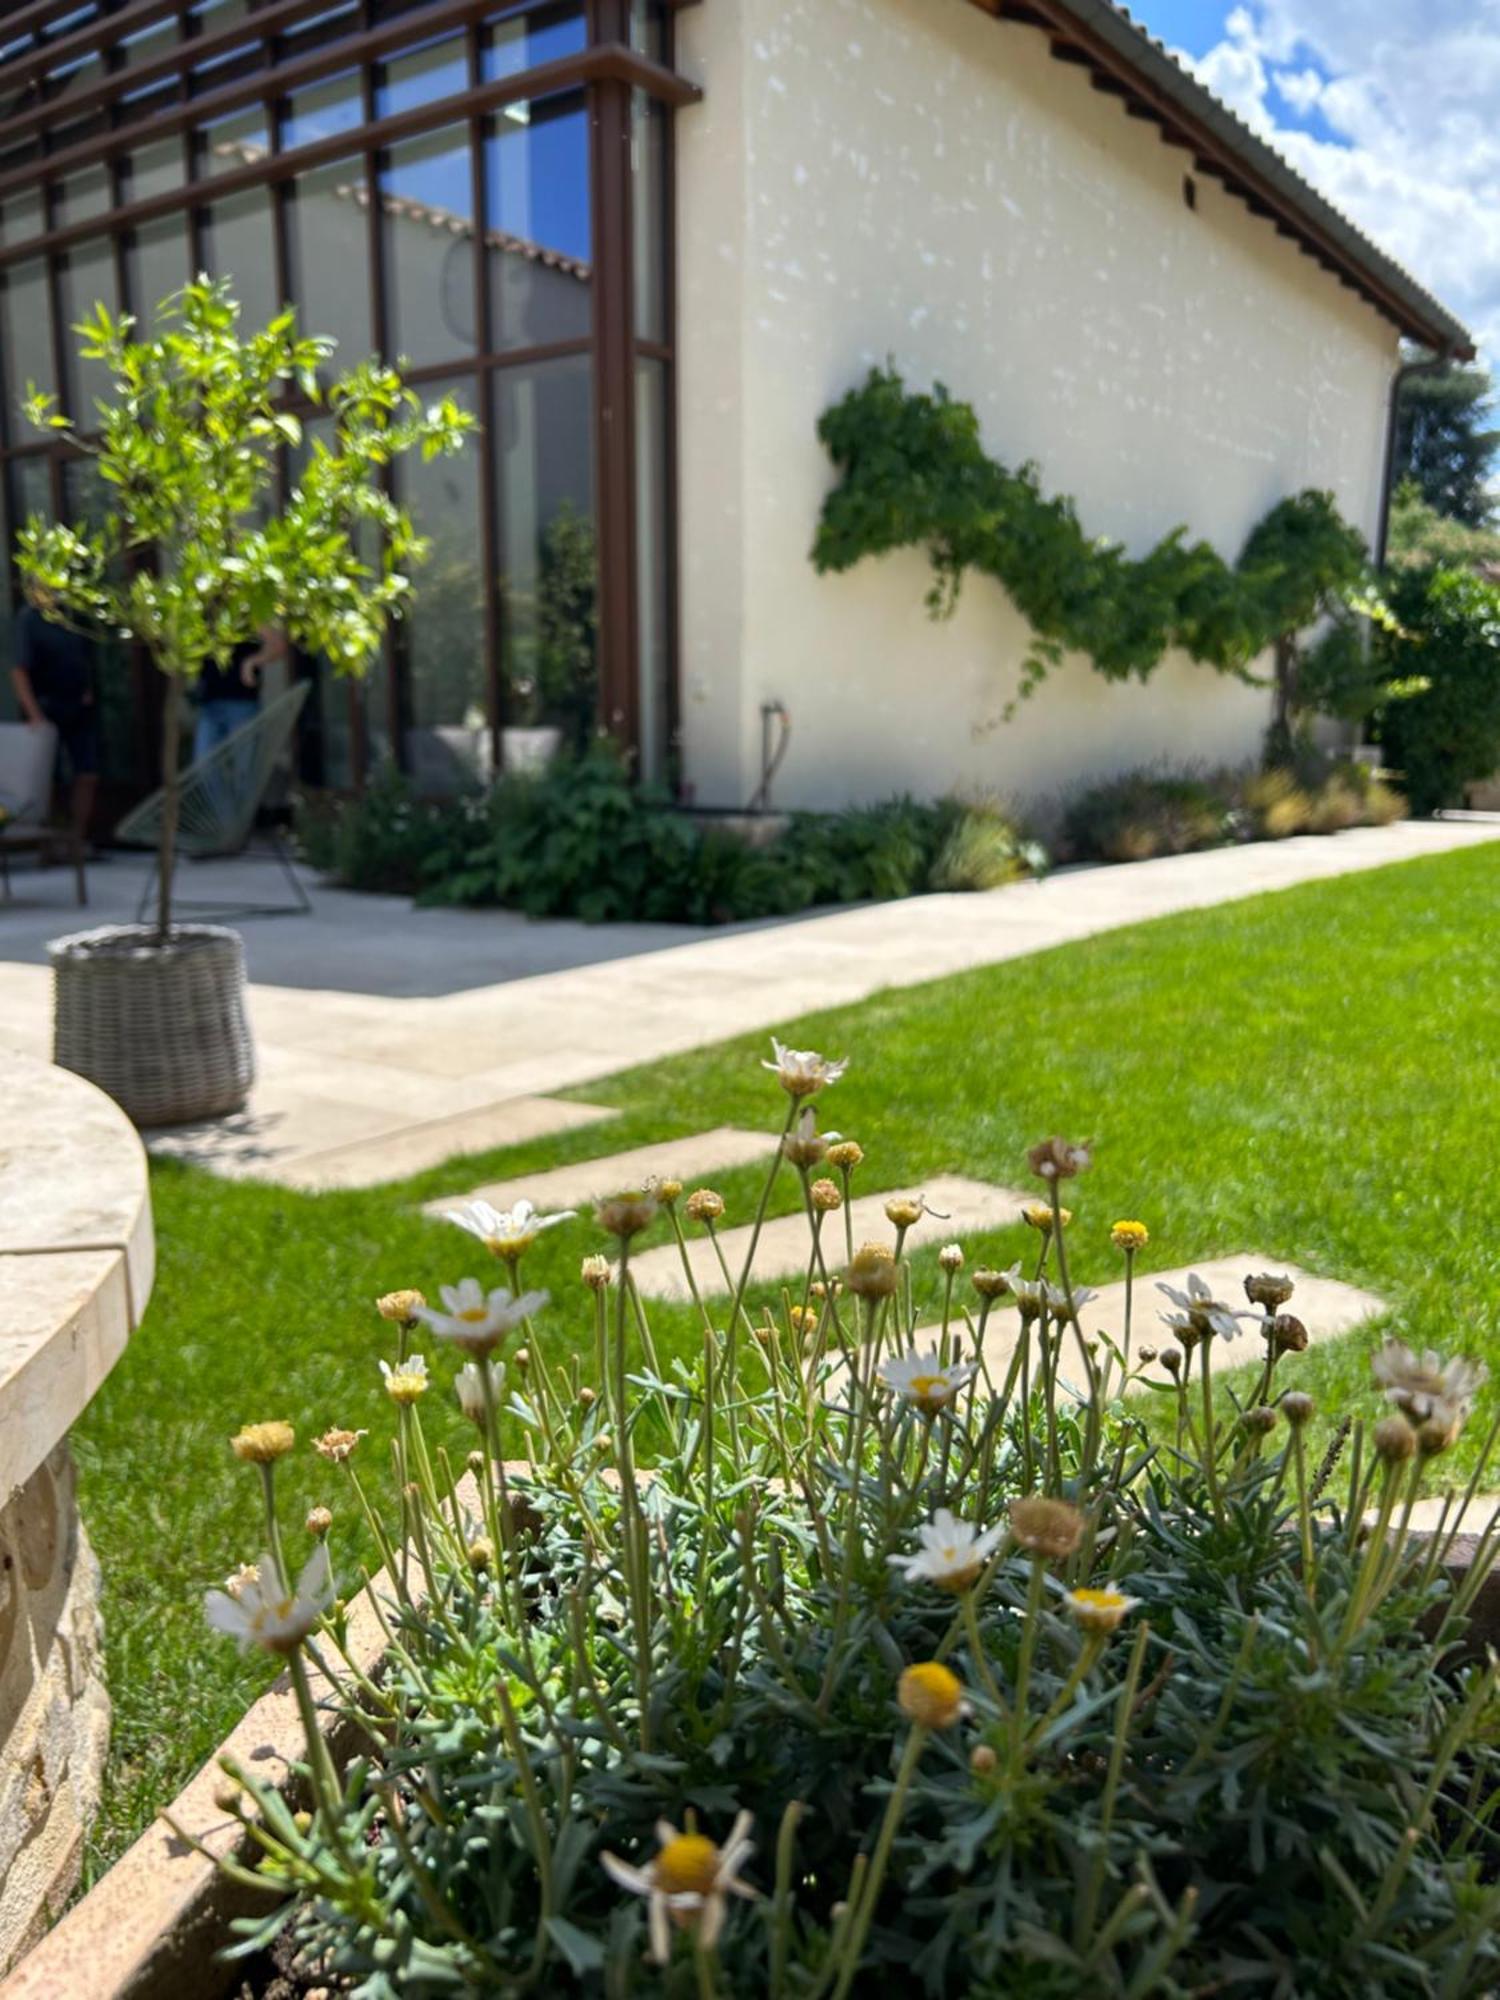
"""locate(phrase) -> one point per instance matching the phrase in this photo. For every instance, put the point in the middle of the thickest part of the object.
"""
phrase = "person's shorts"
(78, 731)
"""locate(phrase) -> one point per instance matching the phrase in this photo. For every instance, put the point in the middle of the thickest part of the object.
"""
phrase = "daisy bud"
(404, 1384)
(666, 1191)
(872, 1274)
(475, 1462)
(951, 1258)
(805, 1145)
(1264, 1288)
(831, 1290)
(303, 1822)
(480, 1553)
(1038, 1215)
(1146, 1356)
(522, 1359)
(1441, 1427)
(596, 1272)
(626, 1215)
(1288, 1335)
(1130, 1235)
(931, 1695)
(990, 1284)
(402, 1307)
(1099, 1612)
(1297, 1407)
(1261, 1421)
(588, 1397)
(765, 1335)
(336, 1445)
(1172, 1360)
(227, 1797)
(1048, 1528)
(1394, 1439)
(845, 1154)
(318, 1522)
(825, 1197)
(705, 1205)
(904, 1211)
(982, 1760)
(262, 1444)
(802, 1319)
(1059, 1159)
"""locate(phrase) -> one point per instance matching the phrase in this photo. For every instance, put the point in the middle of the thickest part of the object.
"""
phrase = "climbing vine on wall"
(914, 473)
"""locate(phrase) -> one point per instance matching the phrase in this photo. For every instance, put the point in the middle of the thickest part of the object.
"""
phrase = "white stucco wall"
(913, 179)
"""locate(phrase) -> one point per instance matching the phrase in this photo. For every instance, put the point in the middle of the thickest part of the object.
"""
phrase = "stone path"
(371, 1018)
(956, 1205)
(1326, 1306)
(575, 1186)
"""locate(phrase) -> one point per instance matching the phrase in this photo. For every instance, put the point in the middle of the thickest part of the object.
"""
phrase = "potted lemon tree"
(194, 557)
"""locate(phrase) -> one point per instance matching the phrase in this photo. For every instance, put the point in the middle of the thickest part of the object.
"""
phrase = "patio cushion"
(27, 757)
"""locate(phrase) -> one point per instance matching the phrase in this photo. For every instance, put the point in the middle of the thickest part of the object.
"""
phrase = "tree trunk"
(166, 853)
(1279, 738)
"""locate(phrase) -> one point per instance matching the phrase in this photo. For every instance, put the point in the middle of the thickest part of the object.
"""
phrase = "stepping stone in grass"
(687, 1160)
(957, 1206)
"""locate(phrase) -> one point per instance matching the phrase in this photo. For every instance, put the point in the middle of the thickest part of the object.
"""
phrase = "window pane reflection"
(548, 566)
(86, 278)
(440, 70)
(26, 325)
(238, 244)
(426, 199)
(327, 231)
(322, 110)
(537, 217)
(237, 141)
(158, 266)
(542, 36)
(448, 737)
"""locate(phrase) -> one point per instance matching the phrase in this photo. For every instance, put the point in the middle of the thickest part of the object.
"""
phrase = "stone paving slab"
(67, 1320)
(1326, 1306)
(957, 1206)
(690, 1159)
(361, 1145)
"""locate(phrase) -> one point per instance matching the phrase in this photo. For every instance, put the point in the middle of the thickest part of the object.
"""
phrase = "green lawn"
(1311, 1074)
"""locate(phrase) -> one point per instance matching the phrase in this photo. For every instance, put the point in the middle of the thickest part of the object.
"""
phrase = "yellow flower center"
(687, 1866)
(931, 1694)
(475, 1315)
(509, 1247)
(929, 1388)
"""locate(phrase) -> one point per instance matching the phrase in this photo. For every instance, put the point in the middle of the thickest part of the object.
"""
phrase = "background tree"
(189, 445)
(1446, 443)
(1420, 537)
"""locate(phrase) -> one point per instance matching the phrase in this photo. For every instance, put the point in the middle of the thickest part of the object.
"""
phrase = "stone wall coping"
(77, 1253)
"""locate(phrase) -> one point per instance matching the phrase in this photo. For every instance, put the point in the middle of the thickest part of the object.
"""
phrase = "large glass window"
(236, 141)
(544, 473)
(538, 241)
(427, 215)
(238, 244)
(158, 265)
(328, 247)
(441, 69)
(25, 332)
(323, 110)
(648, 142)
(545, 34)
(86, 279)
(443, 638)
(84, 194)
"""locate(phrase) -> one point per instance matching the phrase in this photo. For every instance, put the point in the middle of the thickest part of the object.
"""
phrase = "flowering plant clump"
(936, 1638)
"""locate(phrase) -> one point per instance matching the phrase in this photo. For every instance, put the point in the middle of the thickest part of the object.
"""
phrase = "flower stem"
(895, 1806)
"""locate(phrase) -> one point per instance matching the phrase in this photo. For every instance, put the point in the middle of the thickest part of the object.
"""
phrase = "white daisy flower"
(407, 1380)
(261, 1611)
(468, 1385)
(687, 1882)
(1199, 1314)
(506, 1232)
(477, 1321)
(802, 1072)
(1415, 1383)
(952, 1553)
(1036, 1296)
(922, 1379)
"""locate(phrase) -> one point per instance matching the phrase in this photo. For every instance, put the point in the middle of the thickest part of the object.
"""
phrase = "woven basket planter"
(160, 1027)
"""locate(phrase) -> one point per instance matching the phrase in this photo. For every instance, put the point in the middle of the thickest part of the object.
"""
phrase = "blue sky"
(1390, 107)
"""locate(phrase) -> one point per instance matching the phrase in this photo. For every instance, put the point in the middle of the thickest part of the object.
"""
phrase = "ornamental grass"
(932, 1638)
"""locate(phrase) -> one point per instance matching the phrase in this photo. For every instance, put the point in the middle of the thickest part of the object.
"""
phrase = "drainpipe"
(1402, 376)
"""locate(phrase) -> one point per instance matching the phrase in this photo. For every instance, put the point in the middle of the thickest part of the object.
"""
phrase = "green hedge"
(579, 840)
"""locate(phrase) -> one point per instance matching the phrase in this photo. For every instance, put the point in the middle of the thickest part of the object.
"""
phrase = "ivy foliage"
(914, 473)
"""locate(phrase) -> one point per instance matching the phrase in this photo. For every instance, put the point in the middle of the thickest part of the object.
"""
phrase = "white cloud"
(1410, 89)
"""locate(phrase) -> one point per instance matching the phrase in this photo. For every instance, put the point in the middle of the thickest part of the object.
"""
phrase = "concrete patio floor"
(390, 1039)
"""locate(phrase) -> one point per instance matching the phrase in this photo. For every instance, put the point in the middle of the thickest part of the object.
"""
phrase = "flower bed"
(835, 1658)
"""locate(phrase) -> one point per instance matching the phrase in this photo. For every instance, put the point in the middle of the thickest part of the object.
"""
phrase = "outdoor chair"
(27, 757)
(218, 798)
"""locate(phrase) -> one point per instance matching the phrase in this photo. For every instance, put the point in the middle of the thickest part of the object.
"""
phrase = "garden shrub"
(857, 1651)
(1443, 734)
(581, 840)
(1145, 813)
